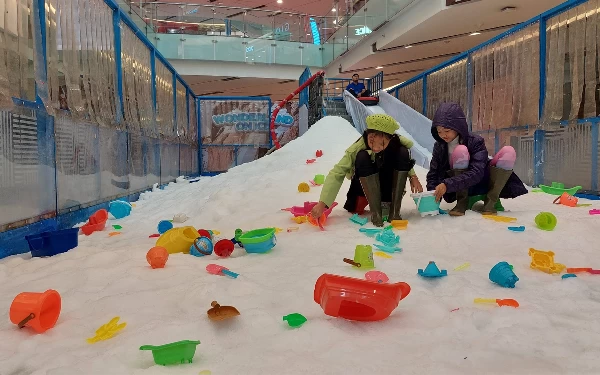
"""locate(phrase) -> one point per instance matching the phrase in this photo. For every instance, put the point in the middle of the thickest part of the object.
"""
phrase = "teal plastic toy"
(432, 270)
(359, 220)
(388, 238)
(176, 352)
(426, 203)
(388, 249)
(503, 275)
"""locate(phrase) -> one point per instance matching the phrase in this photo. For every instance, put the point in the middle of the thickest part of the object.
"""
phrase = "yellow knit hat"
(383, 123)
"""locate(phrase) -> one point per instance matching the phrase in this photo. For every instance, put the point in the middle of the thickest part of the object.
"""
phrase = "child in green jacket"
(378, 165)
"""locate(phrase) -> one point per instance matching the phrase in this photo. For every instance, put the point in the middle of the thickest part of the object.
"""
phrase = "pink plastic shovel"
(594, 212)
(215, 269)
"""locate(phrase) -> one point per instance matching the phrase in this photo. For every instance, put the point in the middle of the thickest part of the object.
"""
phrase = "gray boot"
(372, 190)
(398, 186)
(498, 178)
(462, 198)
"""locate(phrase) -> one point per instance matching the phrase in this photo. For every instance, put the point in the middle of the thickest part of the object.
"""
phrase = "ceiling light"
(334, 10)
(409, 46)
(334, 22)
(279, 1)
(379, 67)
(475, 33)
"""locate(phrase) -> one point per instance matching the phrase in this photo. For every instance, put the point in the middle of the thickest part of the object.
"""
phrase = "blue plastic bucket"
(119, 209)
(426, 203)
(48, 244)
(259, 240)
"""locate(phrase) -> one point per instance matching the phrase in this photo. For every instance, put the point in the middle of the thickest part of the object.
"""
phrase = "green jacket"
(345, 168)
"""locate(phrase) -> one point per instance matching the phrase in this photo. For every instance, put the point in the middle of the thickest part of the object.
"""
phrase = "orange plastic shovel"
(500, 302)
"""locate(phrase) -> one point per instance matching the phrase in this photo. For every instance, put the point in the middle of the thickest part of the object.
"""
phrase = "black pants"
(365, 94)
(394, 158)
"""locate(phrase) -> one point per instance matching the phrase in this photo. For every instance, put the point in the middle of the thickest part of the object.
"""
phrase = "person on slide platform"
(460, 166)
(378, 165)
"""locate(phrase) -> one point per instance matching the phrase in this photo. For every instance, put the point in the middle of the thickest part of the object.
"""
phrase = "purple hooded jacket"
(476, 178)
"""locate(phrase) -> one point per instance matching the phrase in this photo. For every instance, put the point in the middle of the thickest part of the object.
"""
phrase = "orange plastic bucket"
(39, 311)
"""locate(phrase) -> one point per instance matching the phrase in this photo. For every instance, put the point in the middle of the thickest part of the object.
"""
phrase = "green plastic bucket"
(426, 203)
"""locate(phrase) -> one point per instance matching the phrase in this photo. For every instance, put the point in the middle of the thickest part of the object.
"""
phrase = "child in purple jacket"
(460, 166)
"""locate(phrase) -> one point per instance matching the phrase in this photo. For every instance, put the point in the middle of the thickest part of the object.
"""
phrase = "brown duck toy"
(219, 312)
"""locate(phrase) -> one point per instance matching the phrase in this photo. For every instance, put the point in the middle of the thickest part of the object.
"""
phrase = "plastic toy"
(294, 320)
(48, 244)
(117, 227)
(584, 205)
(377, 276)
(594, 272)
(164, 226)
(224, 248)
(214, 232)
(112, 234)
(319, 179)
(180, 218)
(356, 299)
(517, 229)
(202, 246)
(399, 224)
(500, 302)
(303, 187)
(38, 311)
(236, 238)
(156, 235)
(546, 221)
(319, 153)
(293, 229)
(157, 257)
(568, 275)
(305, 210)
(594, 212)
(259, 240)
(299, 219)
(96, 222)
(588, 194)
(107, 331)
(313, 183)
(205, 372)
(218, 312)
(388, 249)
(351, 262)
(578, 270)
(278, 230)
(500, 219)
(359, 220)
(363, 254)
(383, 255)
(566, 200)
(215, 269)
(205, 233)
(119, 209)
(178, 240)
(388, 238)
(432, 270)
(558, 188)
(463, 267)
(370, 232)
(426, 204)
(503, 275)
(479, 198)
(544, 261)
(310, 161)
(176, 352)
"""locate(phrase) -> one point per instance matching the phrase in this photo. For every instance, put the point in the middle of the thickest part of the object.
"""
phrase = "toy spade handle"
(484, 300)
(350, 261)
(27, 319)
(229, 273)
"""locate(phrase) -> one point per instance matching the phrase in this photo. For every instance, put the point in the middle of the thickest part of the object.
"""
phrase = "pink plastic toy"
(215, 269)
(377, 276)
(310, 161)
(305, 210)
(594, 212)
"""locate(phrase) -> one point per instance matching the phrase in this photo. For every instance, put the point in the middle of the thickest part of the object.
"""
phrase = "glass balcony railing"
(223, 33)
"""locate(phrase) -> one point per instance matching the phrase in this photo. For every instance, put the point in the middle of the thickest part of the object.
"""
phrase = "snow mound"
(552, 332)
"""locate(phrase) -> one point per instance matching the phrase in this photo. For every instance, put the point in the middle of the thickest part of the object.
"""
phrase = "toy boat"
(357, 299)
(558, 188)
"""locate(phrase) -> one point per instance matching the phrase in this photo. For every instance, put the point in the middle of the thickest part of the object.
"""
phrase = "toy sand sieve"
(426, 203)
(259, 240)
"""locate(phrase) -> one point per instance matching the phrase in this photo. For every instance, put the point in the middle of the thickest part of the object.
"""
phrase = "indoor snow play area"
(149, 229)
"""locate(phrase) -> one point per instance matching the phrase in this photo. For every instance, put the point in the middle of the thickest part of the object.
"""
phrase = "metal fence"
(532, 87)
(90, 111)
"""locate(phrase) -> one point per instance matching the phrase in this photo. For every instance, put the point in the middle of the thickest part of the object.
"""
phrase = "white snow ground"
(555, 331)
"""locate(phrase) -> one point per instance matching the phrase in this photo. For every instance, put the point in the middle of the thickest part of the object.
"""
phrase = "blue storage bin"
(48, 244)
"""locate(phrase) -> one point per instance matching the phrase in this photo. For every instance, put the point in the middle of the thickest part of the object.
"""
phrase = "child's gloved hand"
(415, 185)
(318, 210)
(440, 190)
